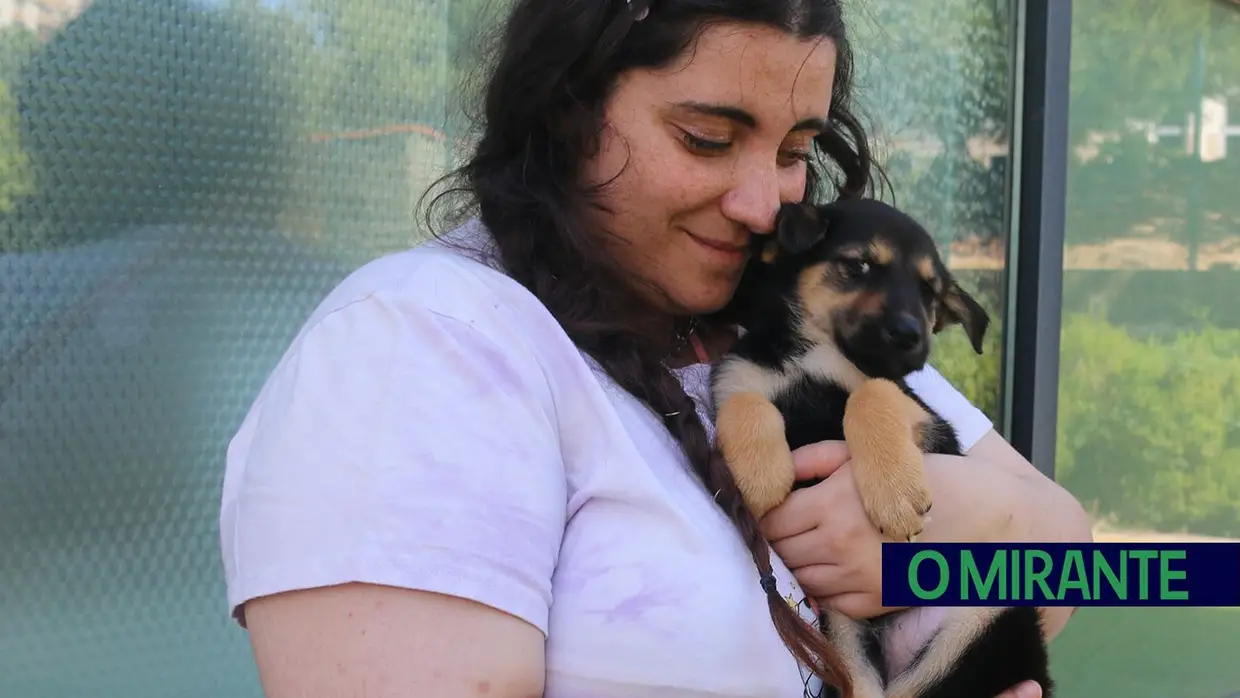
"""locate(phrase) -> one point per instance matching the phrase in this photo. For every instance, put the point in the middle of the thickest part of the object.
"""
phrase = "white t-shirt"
(432, 427)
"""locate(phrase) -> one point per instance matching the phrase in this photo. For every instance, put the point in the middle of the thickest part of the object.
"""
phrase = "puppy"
(837, 309)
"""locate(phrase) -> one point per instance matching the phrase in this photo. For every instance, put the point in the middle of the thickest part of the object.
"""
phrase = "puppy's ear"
(798, 227)
(958, 307)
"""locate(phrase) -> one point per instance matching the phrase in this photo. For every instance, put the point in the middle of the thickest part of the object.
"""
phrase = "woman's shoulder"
(423, 386)
(453, 278)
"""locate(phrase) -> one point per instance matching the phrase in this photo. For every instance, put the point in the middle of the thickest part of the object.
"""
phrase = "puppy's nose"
(902, 332)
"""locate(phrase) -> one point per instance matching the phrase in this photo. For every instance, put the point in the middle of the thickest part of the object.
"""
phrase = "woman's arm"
(395, 500)
(994, 494)
(361, 640)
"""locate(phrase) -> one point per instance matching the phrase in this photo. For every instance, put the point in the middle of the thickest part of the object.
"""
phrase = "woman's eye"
(794, 157)
(696, 143)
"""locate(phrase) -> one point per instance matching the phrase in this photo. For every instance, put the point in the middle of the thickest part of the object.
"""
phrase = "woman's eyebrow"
(744, 118)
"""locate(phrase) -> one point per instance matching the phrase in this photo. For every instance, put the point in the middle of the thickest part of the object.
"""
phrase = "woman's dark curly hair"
(543, 107)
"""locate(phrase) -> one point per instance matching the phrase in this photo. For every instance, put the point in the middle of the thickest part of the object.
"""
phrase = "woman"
(484, 468)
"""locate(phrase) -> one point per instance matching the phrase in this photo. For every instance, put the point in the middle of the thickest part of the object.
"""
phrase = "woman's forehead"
(774, 78)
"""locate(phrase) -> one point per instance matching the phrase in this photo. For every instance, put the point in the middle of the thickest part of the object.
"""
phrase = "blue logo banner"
(1061, 574)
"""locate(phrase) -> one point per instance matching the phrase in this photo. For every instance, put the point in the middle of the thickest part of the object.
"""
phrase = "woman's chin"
(710, 295)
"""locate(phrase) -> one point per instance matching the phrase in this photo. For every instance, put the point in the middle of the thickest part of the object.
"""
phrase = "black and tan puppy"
(837, 309)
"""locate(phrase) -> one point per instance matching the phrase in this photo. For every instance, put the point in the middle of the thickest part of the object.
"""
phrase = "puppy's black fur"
(837, 310)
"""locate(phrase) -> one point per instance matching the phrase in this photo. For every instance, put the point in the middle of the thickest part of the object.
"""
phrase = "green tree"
(1149, 392)
(1137, 62)
(17, 181)
(16, 177)
(1132, 59)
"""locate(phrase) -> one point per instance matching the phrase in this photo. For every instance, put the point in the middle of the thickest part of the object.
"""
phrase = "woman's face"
(700, 155)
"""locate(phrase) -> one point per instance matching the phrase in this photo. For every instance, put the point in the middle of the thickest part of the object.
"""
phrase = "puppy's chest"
(813, 410)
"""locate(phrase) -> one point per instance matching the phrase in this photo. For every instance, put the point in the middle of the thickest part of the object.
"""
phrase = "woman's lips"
(727, 252)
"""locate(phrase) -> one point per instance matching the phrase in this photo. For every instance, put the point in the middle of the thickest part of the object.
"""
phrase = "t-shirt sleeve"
(398, 446)
(971, 424)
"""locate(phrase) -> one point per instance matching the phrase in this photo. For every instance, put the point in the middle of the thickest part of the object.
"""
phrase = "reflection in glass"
(1149, 397)
(180, 182)
(934, 80)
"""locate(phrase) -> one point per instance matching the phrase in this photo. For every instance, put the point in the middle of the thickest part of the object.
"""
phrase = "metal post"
(1036, 252)
(1192, 207)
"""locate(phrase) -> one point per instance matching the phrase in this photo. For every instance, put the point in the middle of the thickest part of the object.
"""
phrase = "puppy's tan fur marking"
(854, 252)
(925, 268)
(884, 429)
(770, 251)
(958, 630)
(751, 439)
(956, 309)
(845, 634)
(820, 303)
(870, 303)
(881, 252)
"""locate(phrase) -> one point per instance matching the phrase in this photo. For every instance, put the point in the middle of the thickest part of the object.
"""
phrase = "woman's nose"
(754, 198)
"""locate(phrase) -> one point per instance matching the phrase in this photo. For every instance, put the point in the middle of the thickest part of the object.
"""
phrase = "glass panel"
(1149, 397)
(934, 79)
(180, 183)
(182, 180)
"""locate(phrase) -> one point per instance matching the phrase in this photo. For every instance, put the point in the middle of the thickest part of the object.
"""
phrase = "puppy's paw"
(895, 494)
(750, 433)
(881, 424)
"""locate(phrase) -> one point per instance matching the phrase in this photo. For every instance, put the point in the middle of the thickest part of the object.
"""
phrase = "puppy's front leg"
(750, 433)
(882, 427)
(849, 637)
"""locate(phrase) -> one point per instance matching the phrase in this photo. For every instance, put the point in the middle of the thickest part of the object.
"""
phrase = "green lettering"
(1015, 576)
(1074, 563)
(971, 577)
(1038, 577)
(1167, 575)
(944, 575)
(1144, 556)
(1119, 584)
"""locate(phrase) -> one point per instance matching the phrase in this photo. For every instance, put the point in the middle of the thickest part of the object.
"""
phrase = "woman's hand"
(1028, 689)
(823, 535)
(991, 495)
(826, 539)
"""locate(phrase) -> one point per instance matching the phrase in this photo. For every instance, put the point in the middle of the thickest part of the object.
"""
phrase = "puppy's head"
(867, 278)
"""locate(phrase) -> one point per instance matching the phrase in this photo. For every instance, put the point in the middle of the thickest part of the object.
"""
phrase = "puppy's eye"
(854, 268)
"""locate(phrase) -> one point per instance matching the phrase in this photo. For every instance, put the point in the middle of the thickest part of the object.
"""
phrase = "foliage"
(299, 115)
(16, 178)
(1135, 62)
(126, 128)
(928, 126)
(16, 174)
(1149, 429)
(292, 116)
(1149, 404)
(1133, 59)
(977, 377)
(1131, 183)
